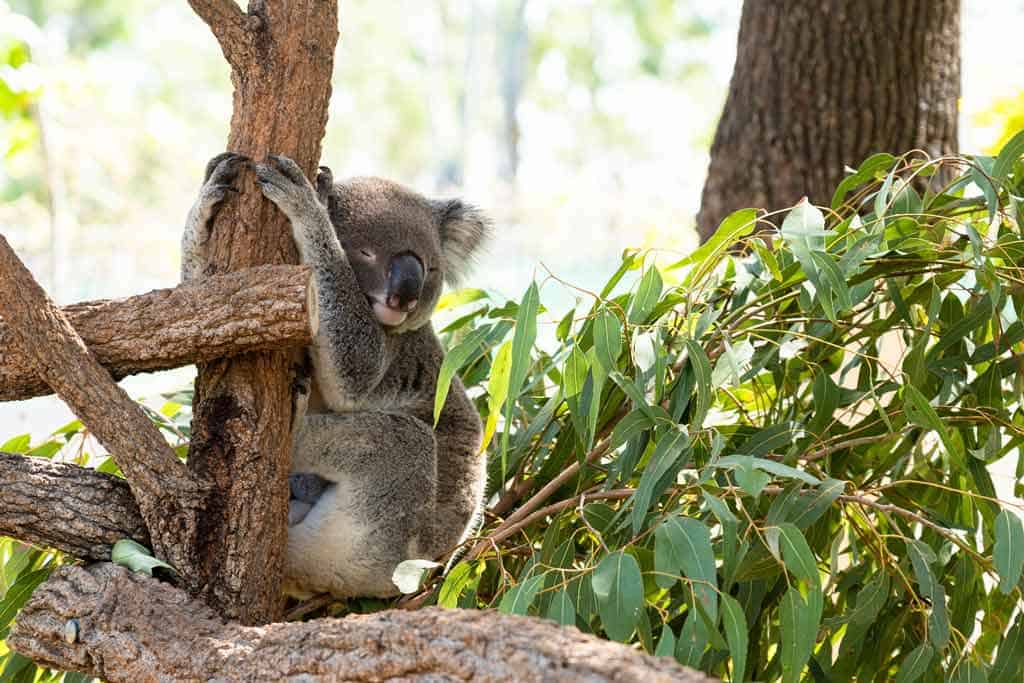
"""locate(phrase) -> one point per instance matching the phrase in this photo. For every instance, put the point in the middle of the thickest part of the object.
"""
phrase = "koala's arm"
(349, 354)
(220, 173)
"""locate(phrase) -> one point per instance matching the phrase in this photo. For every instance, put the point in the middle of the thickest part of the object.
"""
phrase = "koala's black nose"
(405, 282)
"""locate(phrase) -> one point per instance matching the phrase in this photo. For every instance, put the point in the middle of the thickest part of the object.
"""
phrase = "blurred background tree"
(820, 86)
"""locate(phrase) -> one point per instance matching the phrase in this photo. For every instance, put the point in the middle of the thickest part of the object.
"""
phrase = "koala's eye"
(367, 254)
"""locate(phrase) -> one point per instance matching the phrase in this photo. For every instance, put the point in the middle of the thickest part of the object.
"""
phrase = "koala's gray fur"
(372, 482)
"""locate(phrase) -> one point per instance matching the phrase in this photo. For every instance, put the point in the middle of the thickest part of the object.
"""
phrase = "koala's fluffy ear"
(463, 229)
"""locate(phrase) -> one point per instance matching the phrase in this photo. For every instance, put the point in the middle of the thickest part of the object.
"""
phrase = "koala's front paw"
(283, 183)
(324, 185)
(220, 173)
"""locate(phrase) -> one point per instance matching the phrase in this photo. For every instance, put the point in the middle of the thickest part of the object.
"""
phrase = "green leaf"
(736, 226)
(920, 557)
(646, 298)
(633, 424)
(17, 444)
(732, 364)
(136, 557)
(735, 624)
(459, 297)
(561, 609)
(693, 640)
(522, 342)
(803, 230)
(455, 582)
(18, 594)
(497, 391)
(915, 663)
(668, 457)
(799, 620)
(870, 600)
(607, 339)
(921, 413)
(683, 544)
(693, 538)
(518, 599)
(1009, 663)
(770, 466)
(796, 553)
(453, 361)
(698, 360)
(667, 643)
(938, 620)
(749, 478)
(1008, 156)
(619, 589)
(968, 672)
(867, 171)
(1008, 552)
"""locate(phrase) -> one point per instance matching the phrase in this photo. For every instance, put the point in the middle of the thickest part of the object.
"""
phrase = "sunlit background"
(582, 127)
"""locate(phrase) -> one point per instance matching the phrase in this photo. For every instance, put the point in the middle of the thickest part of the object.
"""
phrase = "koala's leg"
(346, 320)
(461, 471)
(377, 510)
(221, 171)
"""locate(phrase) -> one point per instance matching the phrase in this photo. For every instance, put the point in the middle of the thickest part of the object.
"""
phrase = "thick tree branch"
(268, 307)
(76, 510)
(169, 497)
(232, 27)
(129, 627)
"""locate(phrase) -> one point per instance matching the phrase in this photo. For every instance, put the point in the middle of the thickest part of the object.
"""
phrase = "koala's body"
(373, 482)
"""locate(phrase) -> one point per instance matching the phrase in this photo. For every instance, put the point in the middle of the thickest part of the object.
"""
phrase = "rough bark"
(76, 510)
(170, 499)
(281, 56)
(130, 627)
(823, 84)
(269, 307)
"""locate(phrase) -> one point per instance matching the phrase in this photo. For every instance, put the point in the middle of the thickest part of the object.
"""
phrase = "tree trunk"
(281, 56)
(105, 621)
(823, 84)
(513, 39)
(269, 307)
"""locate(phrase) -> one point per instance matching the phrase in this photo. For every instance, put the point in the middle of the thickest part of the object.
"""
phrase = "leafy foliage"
(767, 463)
(761, 460)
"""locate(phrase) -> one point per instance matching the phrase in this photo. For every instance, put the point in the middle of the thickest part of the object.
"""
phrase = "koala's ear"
(463, 229)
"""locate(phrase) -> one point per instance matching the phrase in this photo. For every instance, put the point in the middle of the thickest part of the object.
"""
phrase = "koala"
(373, 480)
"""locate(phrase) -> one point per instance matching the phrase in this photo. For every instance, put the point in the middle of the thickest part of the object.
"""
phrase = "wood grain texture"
(130, 628)
(73, 509)
(268, 307)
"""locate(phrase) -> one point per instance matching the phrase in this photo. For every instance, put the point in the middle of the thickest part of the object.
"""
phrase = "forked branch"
(170, 498)
(232, 27)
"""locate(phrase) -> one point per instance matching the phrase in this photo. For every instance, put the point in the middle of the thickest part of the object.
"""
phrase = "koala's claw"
(225, 166)
(301, 384)
(324, 184)
(289, 168)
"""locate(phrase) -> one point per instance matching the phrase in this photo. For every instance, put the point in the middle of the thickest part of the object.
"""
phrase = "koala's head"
(402, 246)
